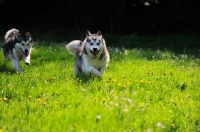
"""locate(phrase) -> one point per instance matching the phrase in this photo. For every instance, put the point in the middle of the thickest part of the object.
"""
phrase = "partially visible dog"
(91, 55)
(17, 46)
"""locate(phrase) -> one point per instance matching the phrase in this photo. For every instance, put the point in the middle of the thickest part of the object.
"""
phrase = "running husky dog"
(91, 55)
(17, 46)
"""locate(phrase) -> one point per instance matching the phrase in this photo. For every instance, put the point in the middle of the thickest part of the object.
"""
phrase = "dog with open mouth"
(91, 55)
(17, 46)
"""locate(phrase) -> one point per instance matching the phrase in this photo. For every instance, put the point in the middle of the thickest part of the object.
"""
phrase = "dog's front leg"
(102, 70)
(94, 71)
(16, 65)
(27, 59)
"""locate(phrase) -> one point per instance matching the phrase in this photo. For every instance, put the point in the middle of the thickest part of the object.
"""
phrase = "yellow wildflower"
(95, 99)
(165, 73)
(39, 100)
(127, 82)
(5, 99)
(57, 93)
(104, 100)
(29, 96)
(75, 125)
(150, 83)
(115, 80)
(119, 84)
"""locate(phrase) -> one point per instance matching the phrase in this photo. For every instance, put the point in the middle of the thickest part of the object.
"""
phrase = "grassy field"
(142, 90)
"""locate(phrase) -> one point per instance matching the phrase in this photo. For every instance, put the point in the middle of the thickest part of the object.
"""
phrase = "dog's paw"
(27, 63)
(18, 70)
(97, 75)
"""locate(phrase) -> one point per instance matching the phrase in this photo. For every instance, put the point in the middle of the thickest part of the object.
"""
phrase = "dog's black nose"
(94, 49)
(26, 50)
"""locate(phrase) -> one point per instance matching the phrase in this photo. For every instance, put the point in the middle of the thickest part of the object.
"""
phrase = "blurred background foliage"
(118, 17)
(173, 24)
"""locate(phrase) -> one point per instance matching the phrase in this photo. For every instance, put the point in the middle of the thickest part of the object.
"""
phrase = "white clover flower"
(160, 125)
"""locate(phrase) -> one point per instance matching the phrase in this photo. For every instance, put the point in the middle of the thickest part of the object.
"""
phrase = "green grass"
(141, 90)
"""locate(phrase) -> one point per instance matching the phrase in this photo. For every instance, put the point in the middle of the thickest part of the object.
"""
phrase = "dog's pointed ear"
(28, 34)
(31, 41)
(88, 33)
(17, 39)
(99, 33)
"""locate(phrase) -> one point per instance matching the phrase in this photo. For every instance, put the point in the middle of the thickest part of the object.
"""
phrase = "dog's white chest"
(95, 62)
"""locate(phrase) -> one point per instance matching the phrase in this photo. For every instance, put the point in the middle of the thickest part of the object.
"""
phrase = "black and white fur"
(91, 55)
(17, 46)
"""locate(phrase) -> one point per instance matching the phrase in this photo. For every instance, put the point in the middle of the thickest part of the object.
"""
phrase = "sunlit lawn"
(143, 90)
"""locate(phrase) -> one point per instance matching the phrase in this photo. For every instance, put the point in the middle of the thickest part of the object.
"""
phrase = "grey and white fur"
(91, 55)
(17, 46)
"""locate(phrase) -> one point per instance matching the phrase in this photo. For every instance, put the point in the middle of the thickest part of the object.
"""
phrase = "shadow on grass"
(86, 78)
(7, 70)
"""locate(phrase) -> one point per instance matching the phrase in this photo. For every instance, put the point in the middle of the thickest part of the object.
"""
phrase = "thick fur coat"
(17, 46)
(91, 55)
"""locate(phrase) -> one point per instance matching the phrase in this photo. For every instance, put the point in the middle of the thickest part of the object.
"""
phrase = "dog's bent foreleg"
(16, 65)
(94, 71)
(102, 70)
(27, 60)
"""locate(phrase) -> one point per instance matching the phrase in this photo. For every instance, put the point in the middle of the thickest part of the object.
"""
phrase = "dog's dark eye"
(91, 43)
(98, 43)
(27, 44)
(23, 44)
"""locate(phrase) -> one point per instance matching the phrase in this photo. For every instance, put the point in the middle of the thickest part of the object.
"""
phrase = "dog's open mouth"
(25, 53)
(95, 52)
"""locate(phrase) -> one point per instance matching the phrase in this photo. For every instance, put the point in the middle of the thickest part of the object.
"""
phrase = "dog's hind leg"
(16, 65)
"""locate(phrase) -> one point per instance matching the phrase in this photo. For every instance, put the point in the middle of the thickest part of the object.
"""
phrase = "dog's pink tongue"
(94, 53)
(25, 54)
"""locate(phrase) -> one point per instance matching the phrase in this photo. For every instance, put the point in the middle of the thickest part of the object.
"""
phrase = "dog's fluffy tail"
(11, 33)
(73, 46)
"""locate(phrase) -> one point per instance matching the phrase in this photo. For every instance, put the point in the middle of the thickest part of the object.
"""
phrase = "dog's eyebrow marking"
(27, 42)
(88, 40)
(99, 41)
(94, 39)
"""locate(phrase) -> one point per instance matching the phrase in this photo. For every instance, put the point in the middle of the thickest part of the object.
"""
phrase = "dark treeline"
(119, 16)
